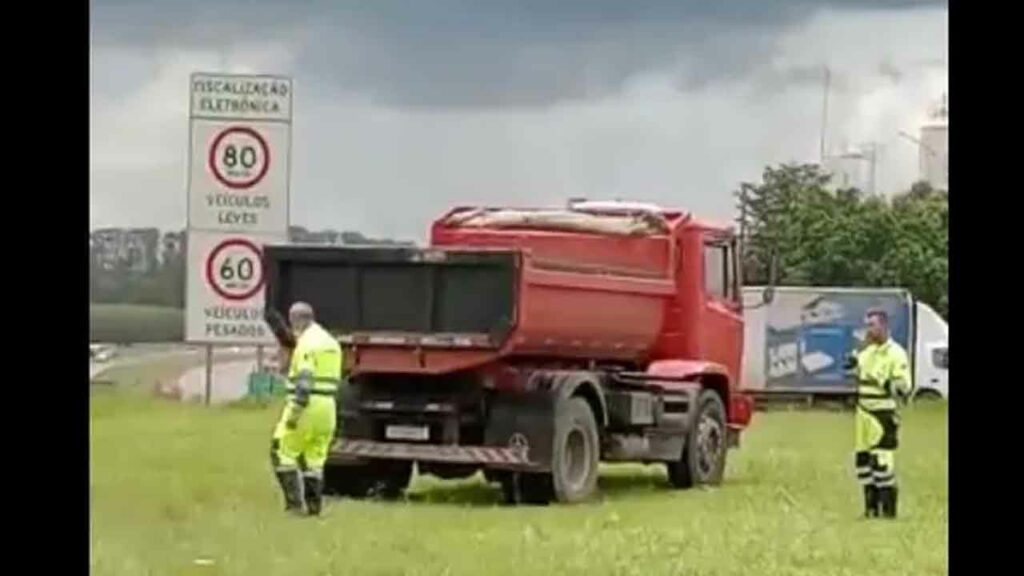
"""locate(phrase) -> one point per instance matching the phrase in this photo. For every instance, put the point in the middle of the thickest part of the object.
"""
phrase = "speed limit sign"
(225, 289)
(234, 269)
(239, 157)
(239, 151)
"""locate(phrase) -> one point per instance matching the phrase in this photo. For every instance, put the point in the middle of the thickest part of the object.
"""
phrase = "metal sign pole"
(209, 372)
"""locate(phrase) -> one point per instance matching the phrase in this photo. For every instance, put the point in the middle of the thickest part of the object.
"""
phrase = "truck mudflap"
(732, 436)
(510, 457)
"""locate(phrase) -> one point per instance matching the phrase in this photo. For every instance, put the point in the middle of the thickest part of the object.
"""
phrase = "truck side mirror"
(768, 295)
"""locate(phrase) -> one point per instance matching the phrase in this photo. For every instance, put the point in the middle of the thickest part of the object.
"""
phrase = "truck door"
(722, 321)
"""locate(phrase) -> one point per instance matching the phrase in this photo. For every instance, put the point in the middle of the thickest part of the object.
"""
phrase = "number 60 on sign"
(234, 269)
(225, 288)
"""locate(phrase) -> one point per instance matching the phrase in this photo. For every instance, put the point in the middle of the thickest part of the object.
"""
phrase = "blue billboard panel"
(809, 333)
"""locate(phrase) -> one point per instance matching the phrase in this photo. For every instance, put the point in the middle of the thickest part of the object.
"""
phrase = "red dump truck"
(530, 344)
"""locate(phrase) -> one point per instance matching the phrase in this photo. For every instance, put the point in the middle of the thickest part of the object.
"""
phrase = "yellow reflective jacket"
(883, 370)
(317, 362)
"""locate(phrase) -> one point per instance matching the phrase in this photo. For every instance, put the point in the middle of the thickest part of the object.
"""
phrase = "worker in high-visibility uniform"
(303, 434)
(883, 374)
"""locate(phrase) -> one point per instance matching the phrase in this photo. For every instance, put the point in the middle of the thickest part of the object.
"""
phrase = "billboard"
(803, 337)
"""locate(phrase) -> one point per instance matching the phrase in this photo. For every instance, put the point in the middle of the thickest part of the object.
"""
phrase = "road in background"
(231, 367)
(230, 381)
(125, 356)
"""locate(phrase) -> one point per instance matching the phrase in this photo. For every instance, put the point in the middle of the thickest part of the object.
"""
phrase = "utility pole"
(824, 114)
(874, 168)
(209, 374)
(743, 223)
(741, 247)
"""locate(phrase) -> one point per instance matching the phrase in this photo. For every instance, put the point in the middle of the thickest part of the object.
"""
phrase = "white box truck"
(797, 344)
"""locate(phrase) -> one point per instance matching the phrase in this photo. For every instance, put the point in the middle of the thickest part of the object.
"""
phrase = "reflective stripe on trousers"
(876, 440)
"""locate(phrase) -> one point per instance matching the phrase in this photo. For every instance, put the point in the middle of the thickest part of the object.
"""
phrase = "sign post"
(238, 201)
(209, 375)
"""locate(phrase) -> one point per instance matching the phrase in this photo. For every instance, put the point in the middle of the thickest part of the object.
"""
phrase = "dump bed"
(392, 292)
(437, 310)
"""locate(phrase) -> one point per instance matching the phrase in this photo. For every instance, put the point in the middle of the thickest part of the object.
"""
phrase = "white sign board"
(224, 300)
(238, 179)
(240, 153)
(239, 163)
(241, 97)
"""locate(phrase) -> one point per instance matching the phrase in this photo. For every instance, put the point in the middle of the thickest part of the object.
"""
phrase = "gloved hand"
(898, 392)
(850, 363)
(294, 413)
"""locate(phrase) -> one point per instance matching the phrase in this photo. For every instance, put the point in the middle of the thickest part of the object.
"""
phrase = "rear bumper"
(510, 458)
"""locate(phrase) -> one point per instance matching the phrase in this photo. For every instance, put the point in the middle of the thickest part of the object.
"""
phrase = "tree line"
(818, 235)
(147, 267)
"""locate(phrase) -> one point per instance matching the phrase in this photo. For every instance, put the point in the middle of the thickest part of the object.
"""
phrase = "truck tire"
(703, 458)
(574, 457)
(526, 488)
(388, 479)
(492, 476)
(927, 395)
(384, 479)
(347, 481)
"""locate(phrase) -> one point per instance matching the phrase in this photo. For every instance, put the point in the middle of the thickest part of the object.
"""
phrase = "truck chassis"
(541, 442)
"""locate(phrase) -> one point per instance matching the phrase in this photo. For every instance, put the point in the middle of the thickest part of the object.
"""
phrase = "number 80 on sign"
(239, 157)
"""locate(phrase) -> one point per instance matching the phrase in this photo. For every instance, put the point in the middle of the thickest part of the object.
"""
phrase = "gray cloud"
(465, 53)
(890, 71)
(403, 109)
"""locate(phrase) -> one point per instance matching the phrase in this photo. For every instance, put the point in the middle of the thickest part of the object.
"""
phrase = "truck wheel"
(575, 456)
(527, 488)
(574, 460)
(345, 480)
(927, 395)
(703, 458)
(388, 480)
(492, 476)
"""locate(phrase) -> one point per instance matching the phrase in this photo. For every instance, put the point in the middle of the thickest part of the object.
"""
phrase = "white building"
(853, 168)
(934, 148)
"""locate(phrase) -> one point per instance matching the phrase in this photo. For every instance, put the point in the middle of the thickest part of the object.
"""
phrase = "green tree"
(825, 237)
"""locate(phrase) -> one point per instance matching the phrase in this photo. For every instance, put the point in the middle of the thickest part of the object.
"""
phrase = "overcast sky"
(403, 108)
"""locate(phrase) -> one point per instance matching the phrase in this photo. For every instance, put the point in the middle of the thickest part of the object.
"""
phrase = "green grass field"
(181, 489)
(130, 323)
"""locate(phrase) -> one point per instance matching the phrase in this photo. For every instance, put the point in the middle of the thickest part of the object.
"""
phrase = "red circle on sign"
(211, 279)
(212, 157)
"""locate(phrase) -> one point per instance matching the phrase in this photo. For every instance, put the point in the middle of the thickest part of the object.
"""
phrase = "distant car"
(101, 353)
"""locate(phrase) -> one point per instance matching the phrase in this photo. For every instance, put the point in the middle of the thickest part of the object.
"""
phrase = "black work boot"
(291, 487)
(314, 492)
(888, 497)
(871, 501)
